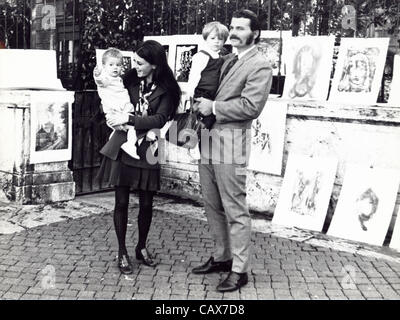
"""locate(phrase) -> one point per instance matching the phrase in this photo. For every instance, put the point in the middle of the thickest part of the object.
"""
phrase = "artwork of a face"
(359, 70)
(183, 63)
(366, 206)
(305, 64)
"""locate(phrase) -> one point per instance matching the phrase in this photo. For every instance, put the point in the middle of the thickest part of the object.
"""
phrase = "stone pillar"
(20, 180)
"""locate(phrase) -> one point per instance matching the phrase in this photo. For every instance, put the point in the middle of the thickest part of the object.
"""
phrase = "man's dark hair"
(254, 23)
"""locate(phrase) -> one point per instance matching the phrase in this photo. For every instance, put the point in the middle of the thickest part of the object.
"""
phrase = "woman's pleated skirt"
(117, 173)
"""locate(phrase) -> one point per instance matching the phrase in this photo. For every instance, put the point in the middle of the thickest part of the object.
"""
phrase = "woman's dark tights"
(121, 216)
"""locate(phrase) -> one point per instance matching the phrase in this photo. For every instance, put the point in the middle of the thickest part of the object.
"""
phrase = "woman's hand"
(117, 119)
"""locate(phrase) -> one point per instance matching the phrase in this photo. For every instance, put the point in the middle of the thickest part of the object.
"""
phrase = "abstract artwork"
(359, 70)
(395, 241)
(308, 67)
(51, 126)
(305, 192)
(394, 96)
(127, 59)
(366, 203)
(268, 137)
(271, 45)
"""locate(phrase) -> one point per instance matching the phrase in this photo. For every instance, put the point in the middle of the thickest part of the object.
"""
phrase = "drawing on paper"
(365, 204)
(267, 138)
(308, 66)
(305, 192)
(261, 139)
(183, 61)
(359, 70)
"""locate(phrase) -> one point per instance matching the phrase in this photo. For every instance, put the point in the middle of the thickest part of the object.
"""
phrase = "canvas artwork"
(305, 192)
(308, 67)
(394, 95)
(271, 47)
(359, 70)
(366, 203)
(395, 241)
(51, 126)
(268, 137)
(127, 60)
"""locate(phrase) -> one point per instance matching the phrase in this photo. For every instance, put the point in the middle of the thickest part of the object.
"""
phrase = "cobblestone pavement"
(73, 257)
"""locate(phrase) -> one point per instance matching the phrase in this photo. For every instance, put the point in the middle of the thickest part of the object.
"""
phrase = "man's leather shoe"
(125, 264)
(233, 282)
(213, 266)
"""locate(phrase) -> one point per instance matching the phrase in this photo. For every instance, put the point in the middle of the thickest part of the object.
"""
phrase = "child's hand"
(96, 71)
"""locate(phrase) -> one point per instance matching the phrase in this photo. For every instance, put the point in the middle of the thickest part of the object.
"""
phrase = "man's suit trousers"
(224, 194)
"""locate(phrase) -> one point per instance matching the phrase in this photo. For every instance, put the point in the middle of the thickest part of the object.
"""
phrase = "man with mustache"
(245, 82)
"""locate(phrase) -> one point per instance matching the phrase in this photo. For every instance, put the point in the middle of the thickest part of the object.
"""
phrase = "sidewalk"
(67, 251)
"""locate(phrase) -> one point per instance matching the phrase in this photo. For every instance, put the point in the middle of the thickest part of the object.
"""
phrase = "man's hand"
(116, 119)
(203, 106)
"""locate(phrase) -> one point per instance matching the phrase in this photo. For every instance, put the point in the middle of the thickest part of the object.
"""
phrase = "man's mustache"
(234, 37)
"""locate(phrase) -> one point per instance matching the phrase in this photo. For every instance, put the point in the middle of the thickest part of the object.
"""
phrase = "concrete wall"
(352, 133)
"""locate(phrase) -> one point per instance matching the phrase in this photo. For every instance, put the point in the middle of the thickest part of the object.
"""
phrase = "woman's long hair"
(154, 53)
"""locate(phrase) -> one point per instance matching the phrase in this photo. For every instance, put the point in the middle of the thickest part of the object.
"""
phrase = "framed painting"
(308, 67)
(359, 70)
(268, 137)
(394, 95)
(395, 241)
(51, 126)
(271, 46)
(305, 192)
(366, 203)
(127, 59)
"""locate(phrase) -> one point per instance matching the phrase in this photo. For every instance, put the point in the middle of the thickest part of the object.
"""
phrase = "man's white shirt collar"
(240, 55)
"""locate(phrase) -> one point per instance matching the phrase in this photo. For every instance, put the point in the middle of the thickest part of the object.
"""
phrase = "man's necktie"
(229, 66)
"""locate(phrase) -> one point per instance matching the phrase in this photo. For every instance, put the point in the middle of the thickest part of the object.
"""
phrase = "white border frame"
(50, 155)
(359, 43)
(322, 74)
(283, 214)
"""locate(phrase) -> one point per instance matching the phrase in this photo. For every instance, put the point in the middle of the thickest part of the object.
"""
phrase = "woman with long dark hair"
(155, 94)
